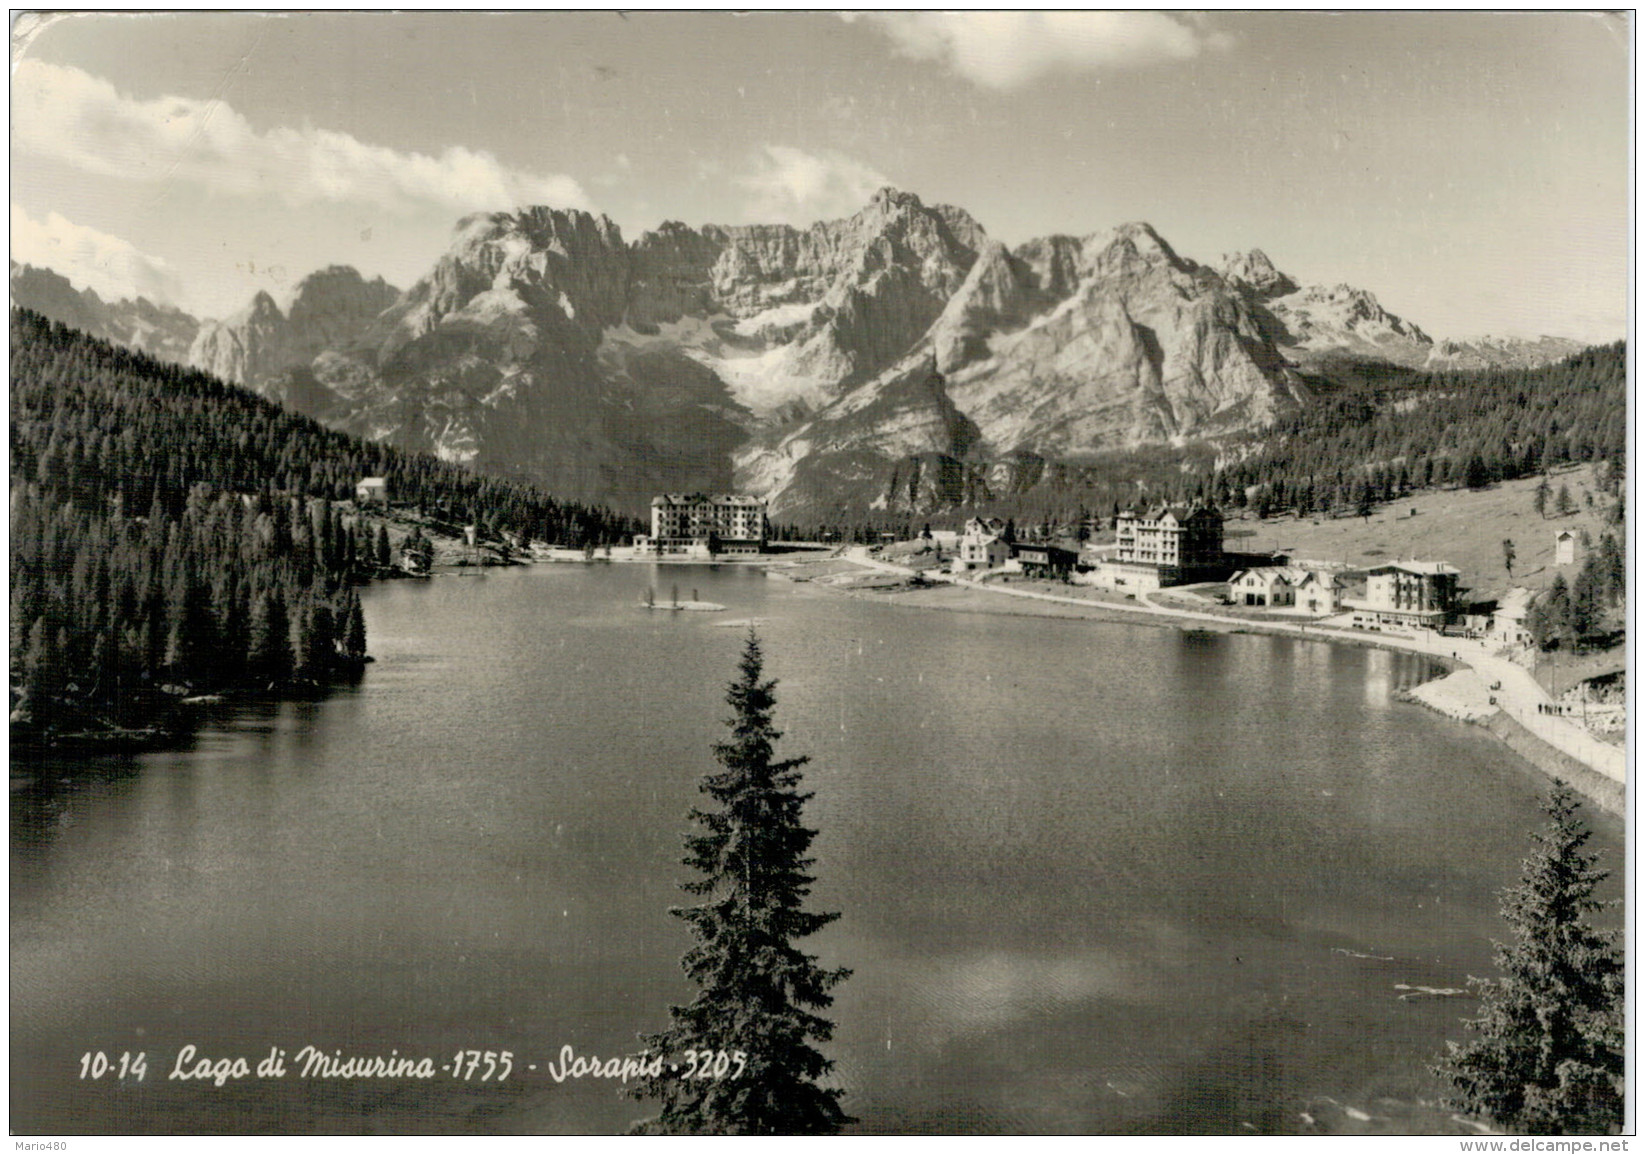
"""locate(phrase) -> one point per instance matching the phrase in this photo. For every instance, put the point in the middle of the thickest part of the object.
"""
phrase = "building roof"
(707, 499)
(1290, 575)
(374, 482)
(1516, 603)
(1046, 548)
(1427, 568)
(1180, 512)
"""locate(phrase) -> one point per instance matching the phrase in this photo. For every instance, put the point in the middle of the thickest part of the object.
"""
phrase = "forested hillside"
(1387, 437)
(1379, 432)
(172, 535)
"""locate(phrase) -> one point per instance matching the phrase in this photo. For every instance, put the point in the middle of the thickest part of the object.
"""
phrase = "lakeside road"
(1516, 691)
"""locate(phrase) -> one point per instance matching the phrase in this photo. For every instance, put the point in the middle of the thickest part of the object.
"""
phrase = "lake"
(1094, 877)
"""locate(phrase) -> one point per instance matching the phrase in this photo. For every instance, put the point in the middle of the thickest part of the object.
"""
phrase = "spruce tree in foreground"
(758, 991)
(1548, 1056)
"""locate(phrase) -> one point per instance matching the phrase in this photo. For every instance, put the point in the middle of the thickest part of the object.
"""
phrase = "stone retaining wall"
(1606, 793)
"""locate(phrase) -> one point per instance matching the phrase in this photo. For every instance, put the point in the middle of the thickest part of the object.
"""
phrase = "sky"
(1471, 169)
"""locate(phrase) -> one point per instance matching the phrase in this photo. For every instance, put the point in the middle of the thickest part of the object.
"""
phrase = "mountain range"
(897, 359)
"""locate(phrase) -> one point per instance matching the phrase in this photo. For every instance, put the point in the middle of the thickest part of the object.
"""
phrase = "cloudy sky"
(1471, 169)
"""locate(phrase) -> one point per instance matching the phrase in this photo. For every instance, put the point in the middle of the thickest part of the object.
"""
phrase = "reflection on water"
(1095, 877)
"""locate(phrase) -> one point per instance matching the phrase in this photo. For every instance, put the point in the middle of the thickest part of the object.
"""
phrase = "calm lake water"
(1094, 877)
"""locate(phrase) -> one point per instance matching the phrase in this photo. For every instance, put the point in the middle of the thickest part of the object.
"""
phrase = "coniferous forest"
(172, 535)
(1374, 434)
(1385, 437)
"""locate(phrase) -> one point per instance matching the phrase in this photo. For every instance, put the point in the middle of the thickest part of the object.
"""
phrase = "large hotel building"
(698, 524)
(1167, 546)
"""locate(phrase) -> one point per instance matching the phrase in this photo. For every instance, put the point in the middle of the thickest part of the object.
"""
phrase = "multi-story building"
(981, 546)
(1170, 545)
(1173, 536)
(1407, 593)
(700, 524)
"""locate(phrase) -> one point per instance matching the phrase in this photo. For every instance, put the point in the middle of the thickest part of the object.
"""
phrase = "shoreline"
(1510, 713)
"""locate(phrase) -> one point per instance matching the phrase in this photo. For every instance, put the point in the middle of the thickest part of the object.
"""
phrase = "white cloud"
(1005, 50)
(71, 116)
(114, 269)
(799, 188)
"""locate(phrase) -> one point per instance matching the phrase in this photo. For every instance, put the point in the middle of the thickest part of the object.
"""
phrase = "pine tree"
(1563, 505)
(353, 641)
(1548, 1056)
(758, 991)
(1539, 499)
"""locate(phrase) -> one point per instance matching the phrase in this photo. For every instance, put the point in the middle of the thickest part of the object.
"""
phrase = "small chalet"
(1508, 620)
(1045, 561)
(980, 549)
(371, 491)
(1266, 586)
(984, 527)
(1321, 592)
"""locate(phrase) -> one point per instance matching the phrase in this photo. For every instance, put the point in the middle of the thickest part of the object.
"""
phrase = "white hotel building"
(696, 524)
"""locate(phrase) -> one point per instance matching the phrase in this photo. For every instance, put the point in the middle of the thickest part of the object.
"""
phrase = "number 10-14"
(95, 1064)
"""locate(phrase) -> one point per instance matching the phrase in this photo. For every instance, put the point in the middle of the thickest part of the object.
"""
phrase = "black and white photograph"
(875, 573)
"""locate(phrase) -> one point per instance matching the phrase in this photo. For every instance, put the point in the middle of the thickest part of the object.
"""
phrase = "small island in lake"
(650, 602)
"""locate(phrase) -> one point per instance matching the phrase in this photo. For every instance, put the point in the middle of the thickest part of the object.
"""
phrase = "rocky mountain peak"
(895, 196)
(1254, 273)
(262, 307)
(335, 279)
(888, 203)
(566, 229)
(245, 348)
(163, 331)
(1490, 352)
(1319, 320)
(332, 307)
(1131, 249)
(799, 363)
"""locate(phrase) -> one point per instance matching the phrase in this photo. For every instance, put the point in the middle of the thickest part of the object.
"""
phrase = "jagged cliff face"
(1061, 350)
(543, 344)
(898, 358)
(162, 331)
(248, 347)
(1500, 353)
(258, 345)
(1313, 324)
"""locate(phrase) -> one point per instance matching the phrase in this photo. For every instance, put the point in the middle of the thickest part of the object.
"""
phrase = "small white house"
(978, 551)
(1508, 622)
(1564, 548)
(371, 491)
(1319, 592)
(1265, 586)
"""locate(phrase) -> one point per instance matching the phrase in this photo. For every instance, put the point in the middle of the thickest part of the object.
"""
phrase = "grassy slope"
(1459, 526)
